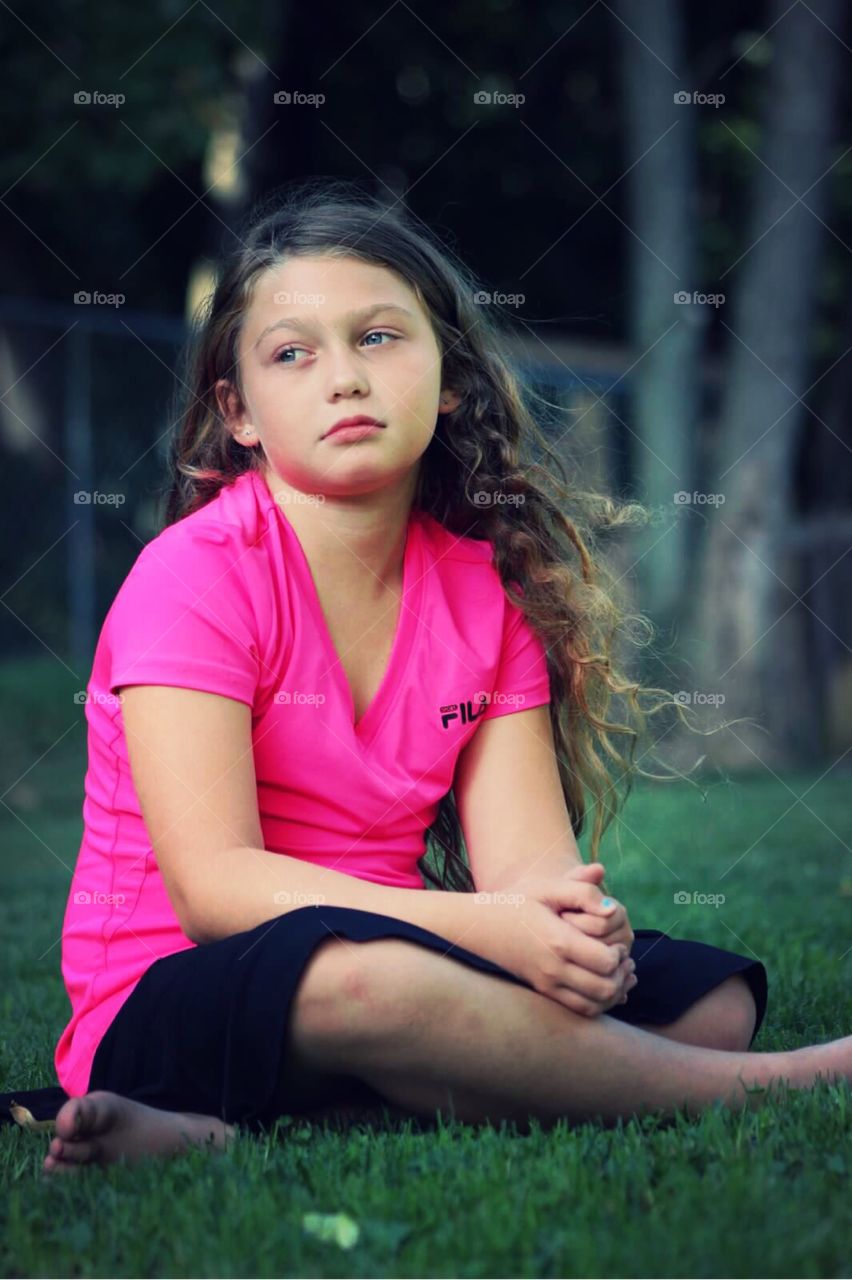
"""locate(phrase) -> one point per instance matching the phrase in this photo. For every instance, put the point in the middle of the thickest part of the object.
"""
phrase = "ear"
(230, 406)
(449, 400)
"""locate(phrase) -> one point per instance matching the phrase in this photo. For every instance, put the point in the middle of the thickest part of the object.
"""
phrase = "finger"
(596, 900)
(611, 927)
(593, 986)
(573, 894)
(593, 926)
(580, 867)
(591, 953)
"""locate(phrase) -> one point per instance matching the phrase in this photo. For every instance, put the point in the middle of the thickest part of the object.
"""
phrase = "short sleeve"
(522, 679)
(183, 616)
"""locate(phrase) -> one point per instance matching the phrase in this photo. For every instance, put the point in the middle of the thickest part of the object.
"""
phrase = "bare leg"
(429, 1032)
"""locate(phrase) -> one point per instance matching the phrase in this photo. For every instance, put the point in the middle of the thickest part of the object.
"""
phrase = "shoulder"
(212, 538)
(217, 554)
(235, 518)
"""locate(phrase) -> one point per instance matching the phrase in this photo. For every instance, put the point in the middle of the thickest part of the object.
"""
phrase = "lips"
(361, 420)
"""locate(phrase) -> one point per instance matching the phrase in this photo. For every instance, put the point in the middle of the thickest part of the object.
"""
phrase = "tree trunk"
(665, 336)
(750, 627)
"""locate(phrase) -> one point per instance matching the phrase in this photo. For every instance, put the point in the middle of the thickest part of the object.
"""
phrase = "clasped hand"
(556, 935)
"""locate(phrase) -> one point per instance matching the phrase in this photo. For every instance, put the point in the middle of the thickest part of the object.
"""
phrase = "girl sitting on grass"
(344, 642)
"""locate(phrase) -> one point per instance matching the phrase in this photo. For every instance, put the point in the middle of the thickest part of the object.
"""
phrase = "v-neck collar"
(365, 730)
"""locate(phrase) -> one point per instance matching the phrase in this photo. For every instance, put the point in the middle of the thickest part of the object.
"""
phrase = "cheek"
(417, 376)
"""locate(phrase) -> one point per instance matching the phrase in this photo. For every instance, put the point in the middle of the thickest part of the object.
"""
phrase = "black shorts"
(204, 1029)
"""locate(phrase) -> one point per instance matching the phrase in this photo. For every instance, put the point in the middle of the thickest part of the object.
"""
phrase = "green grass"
(761, 1193)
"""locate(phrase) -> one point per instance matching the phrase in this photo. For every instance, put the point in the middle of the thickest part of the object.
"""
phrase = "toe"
(78, 1153)
(86, 1116)
(71, 1118)
(52, 1167)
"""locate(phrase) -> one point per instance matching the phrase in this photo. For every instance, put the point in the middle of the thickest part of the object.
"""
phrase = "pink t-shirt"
(224, 601)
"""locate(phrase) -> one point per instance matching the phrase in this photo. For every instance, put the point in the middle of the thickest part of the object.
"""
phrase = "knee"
(734, 1014)
(365, 989)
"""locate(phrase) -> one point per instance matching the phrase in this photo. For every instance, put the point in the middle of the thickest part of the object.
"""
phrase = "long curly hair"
(544, 532)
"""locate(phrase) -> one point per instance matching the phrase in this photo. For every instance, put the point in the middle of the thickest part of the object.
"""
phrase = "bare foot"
(102, 1128)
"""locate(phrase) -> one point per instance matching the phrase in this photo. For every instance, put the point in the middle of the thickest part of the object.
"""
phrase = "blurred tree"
(660, 156)
(744, 608)
(537, 197)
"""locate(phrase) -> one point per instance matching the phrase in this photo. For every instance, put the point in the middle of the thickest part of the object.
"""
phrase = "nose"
(347, 376)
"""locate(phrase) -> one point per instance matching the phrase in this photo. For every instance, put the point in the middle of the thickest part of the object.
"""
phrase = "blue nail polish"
(607, 902)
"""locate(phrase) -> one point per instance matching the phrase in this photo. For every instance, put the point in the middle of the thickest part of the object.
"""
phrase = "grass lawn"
(765, 1193)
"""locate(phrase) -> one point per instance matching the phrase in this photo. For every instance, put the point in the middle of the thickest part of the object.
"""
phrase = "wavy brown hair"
(544, 532)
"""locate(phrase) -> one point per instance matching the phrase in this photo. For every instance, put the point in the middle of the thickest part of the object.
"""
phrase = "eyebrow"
(304, 324)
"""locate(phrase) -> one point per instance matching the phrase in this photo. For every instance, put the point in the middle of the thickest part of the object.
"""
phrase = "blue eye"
(374, 333)
(379, 333)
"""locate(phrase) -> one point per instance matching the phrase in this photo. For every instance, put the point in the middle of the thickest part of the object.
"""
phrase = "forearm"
(552, 862)
(244, 887)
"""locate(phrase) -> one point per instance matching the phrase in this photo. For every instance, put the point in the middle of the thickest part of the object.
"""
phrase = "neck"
(350, 543)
